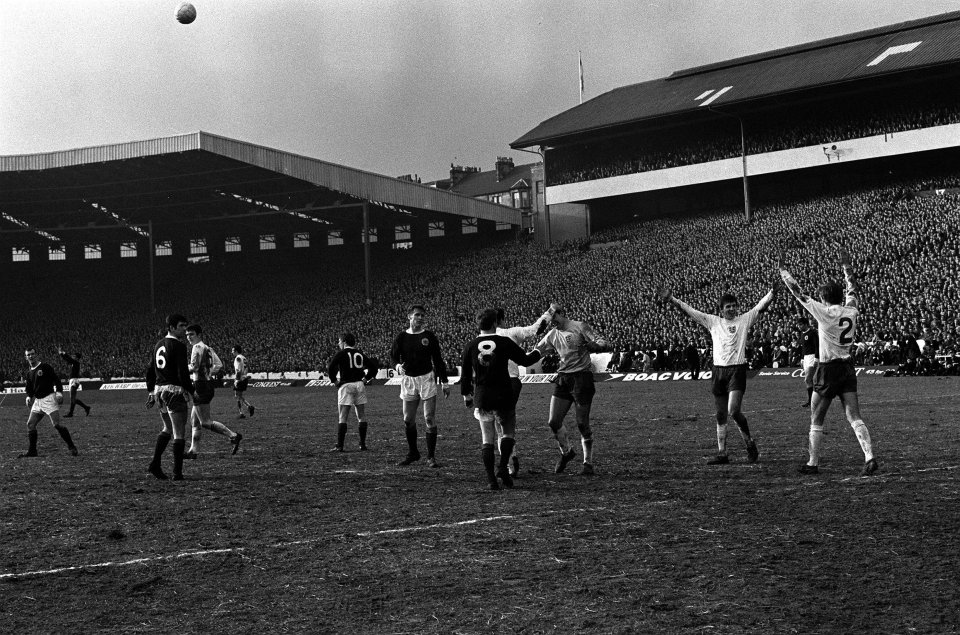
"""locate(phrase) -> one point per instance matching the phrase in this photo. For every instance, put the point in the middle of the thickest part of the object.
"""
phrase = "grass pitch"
(287, 537)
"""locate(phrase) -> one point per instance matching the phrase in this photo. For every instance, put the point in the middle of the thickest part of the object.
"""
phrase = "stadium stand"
(905, 237)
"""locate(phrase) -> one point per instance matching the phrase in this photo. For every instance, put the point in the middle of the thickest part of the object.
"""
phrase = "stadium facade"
(200, 197)
(793, 121)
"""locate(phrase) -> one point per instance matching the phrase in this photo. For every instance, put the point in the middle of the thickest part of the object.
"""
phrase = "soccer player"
(573, 341)
(241, 381)
(518, 334)
(809, 349)
(204, 365)
(417, 357)
(44, 396)
(169, 383)
(74, 382)
(835, 376)
(729, 333)
(350, 370)
(486, 383)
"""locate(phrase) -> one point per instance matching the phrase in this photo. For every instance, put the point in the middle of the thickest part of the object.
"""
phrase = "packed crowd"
(815, 125)
(906, 250)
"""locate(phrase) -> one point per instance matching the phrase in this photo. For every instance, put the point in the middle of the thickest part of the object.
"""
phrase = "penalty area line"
(306, 541)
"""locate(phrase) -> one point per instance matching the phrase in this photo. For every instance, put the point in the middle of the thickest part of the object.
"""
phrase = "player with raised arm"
(74, 363)
(169, 383)
(518, 334)
(241, 380)
(486, 384)
(350, 371)
(729, 332)
(204, 366)
(44, 396)
(573, 341)
(835, 376)
(418, 359)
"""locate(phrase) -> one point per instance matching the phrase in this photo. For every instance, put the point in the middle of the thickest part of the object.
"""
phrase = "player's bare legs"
(734, 407)
(818, 413)
(722, 403)
(200, 418)
(429, 415)
(851, 406)
(582, 414)
(410, 407)
(558, 411)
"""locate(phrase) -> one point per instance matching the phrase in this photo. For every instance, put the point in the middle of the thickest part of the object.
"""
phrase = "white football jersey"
(240, 366)
(729, 336)
(837, 326)
(518, 334)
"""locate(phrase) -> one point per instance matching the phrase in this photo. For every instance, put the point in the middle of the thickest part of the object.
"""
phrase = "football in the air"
(186, 13)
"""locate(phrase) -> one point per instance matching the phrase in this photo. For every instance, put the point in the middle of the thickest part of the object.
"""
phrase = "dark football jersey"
(170, 359)
(349, 365)
(42, 380)
(485, 372)
(419, 353)
(809, 342)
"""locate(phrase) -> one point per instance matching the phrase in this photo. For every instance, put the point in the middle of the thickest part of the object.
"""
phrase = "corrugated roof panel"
(868, 53)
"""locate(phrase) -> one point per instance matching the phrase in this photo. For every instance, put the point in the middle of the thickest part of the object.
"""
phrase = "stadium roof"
(200, 176)
(899, 48)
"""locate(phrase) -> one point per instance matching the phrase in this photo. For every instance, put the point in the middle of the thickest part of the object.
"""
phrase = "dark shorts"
(727, 379)
(203, 392)
(172, 398)
(241, 384)
(835, 378)
(575, 387)
(517, 387)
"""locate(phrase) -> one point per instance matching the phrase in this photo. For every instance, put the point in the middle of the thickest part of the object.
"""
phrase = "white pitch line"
(208, 552)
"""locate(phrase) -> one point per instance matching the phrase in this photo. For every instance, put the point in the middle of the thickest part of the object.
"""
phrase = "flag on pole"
(580, 61)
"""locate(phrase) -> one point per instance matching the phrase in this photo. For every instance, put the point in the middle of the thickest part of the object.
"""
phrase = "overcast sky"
(386, 86)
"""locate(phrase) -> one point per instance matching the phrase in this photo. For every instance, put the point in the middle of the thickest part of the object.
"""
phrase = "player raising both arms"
(729, 333)
(350, 370)
(835, 376)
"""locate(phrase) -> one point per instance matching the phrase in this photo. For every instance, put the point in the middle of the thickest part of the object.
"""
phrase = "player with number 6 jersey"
(168, 381)
(835, 376)
(350, 370)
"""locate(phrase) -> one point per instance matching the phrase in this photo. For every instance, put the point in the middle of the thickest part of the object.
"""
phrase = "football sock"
(741, 422)
(32, 440)
(562, 439)
(587, 450)
(722, 438)
(162, 440)
(412, 439)
(506, 449)
(81, 404)
(863, 436)
(487, 454)
(65, 435)
(816, 437)
(362, 429)
(431, 442)
(178, 446)
(809, 395)
(341, 434)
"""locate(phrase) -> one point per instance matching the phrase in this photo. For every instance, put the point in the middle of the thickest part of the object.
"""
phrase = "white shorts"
(74, 382)
(352, 394)
(46, 405)
(420, 387)
(809, 361)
